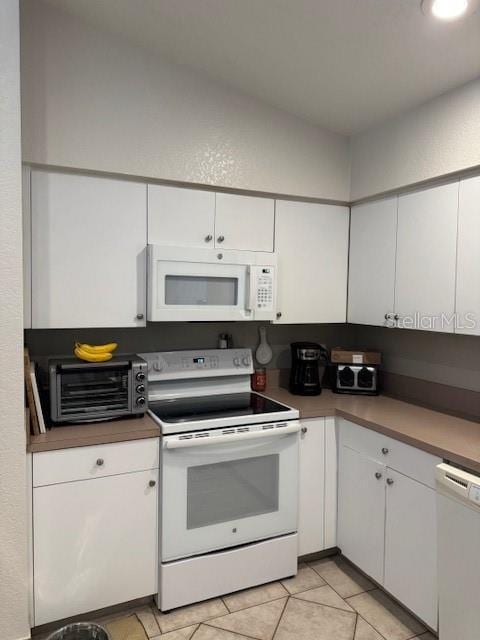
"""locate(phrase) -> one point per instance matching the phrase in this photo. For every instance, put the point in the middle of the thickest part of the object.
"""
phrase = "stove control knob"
(246, 361)
(140, 388)
(140, 376)
(141, 401)
(236, 362)
(157, 366)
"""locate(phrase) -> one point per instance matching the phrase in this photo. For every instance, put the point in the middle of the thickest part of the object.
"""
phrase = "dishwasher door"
(458, 515)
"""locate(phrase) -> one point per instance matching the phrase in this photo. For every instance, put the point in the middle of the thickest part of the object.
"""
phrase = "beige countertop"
(82, 435)
(454, 439)
(448, 437)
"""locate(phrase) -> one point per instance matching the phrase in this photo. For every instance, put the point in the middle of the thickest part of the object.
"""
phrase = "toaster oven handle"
(82, 364)
(206, 441)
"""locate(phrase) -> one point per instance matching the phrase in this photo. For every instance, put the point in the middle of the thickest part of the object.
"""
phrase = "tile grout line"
(355, 627)
(338, 594)
(280, 618)
(322, 604)
(238, 633)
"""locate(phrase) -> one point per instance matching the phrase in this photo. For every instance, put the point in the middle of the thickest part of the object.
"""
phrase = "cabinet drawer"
(404, 458)
(363, 440)
(412, 462)
(83, 463)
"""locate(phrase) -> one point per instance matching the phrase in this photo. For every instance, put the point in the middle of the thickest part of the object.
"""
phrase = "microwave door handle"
(234, 437)
(250, 290)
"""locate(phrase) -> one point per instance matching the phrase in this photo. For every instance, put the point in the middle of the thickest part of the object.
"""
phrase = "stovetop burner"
(229, 405)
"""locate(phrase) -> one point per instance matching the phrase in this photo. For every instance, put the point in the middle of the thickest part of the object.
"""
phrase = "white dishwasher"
(458, 515)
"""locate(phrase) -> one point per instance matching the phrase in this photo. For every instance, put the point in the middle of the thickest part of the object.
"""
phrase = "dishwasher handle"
(211, 440)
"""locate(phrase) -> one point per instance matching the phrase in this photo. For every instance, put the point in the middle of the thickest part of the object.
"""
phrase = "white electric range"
(229, 476)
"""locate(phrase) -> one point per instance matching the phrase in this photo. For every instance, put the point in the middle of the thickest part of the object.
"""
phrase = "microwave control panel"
(264, 287)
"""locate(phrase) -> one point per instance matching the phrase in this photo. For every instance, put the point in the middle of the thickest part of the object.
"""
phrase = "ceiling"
(343, 64)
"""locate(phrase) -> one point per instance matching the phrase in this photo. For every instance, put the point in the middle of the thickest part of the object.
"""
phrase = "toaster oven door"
(85, 393)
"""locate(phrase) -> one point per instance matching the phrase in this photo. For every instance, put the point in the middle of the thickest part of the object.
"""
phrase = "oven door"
(220, 491)
(197, 287)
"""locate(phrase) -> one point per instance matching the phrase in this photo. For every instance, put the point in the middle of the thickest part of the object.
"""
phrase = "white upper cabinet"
(244, 222)
(373, 231)
(311, 242)
(468, 261)
(180, 217)
(193, 218)
(88, 251)
(426, 258)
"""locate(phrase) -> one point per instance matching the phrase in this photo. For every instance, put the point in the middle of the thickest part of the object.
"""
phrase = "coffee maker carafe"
(304, 375)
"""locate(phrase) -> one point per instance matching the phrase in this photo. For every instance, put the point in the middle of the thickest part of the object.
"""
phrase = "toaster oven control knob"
(140, 388)
(140, 376)
(141, 401)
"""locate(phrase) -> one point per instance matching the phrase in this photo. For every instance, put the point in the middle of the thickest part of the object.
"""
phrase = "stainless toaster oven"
(86, 391)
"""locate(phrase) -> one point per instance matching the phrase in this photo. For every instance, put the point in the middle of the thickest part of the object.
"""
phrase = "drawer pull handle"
(100, 462)
(378, 475)
(385, 451)
(389, 481)
(152, 483)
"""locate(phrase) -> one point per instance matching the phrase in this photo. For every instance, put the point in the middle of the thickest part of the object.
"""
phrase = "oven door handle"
(276, 432)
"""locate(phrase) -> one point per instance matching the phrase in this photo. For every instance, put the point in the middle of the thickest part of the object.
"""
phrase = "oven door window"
(202, 290)
(230, 491)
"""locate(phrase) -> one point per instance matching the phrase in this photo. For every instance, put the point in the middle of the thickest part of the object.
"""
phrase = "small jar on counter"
(259, 379)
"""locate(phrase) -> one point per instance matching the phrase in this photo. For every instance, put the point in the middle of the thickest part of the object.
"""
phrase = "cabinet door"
(311, 241)
(361, 511)
(426, 259)
(468, 262)
(311, 509)
(88, 251)
(95, 544)
(244, 222)
(180, 217)
(373, 234)
(411, 546)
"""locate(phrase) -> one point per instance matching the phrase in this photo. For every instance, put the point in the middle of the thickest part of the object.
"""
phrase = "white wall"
(92, 100)
(13, 544)
(440, 137)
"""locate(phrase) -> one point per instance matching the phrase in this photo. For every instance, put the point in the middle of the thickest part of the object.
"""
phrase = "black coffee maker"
(304, 375)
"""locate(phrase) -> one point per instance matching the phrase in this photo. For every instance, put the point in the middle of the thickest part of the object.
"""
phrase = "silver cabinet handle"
(304, 429)
(378, 475)
(139, 316)
(152, 483)
(220, 238)
(385, 451)
(100, 462)
(390, 481)
(279, 314)
(209, 238)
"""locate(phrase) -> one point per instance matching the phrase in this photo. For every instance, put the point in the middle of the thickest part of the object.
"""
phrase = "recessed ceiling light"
(448, 9)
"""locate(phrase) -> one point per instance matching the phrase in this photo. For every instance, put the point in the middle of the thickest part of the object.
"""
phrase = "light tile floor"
(327, 600)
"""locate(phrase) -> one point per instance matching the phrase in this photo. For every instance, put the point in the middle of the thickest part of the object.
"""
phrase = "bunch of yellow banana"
(95, 353)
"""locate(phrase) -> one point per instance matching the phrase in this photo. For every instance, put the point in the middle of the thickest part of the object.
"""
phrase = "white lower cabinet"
(410, 545)
(387, 516)
(361, 511)
(94, 543)
(317, 499)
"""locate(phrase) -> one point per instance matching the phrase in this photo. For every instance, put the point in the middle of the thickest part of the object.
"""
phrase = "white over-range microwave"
(188, 284)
